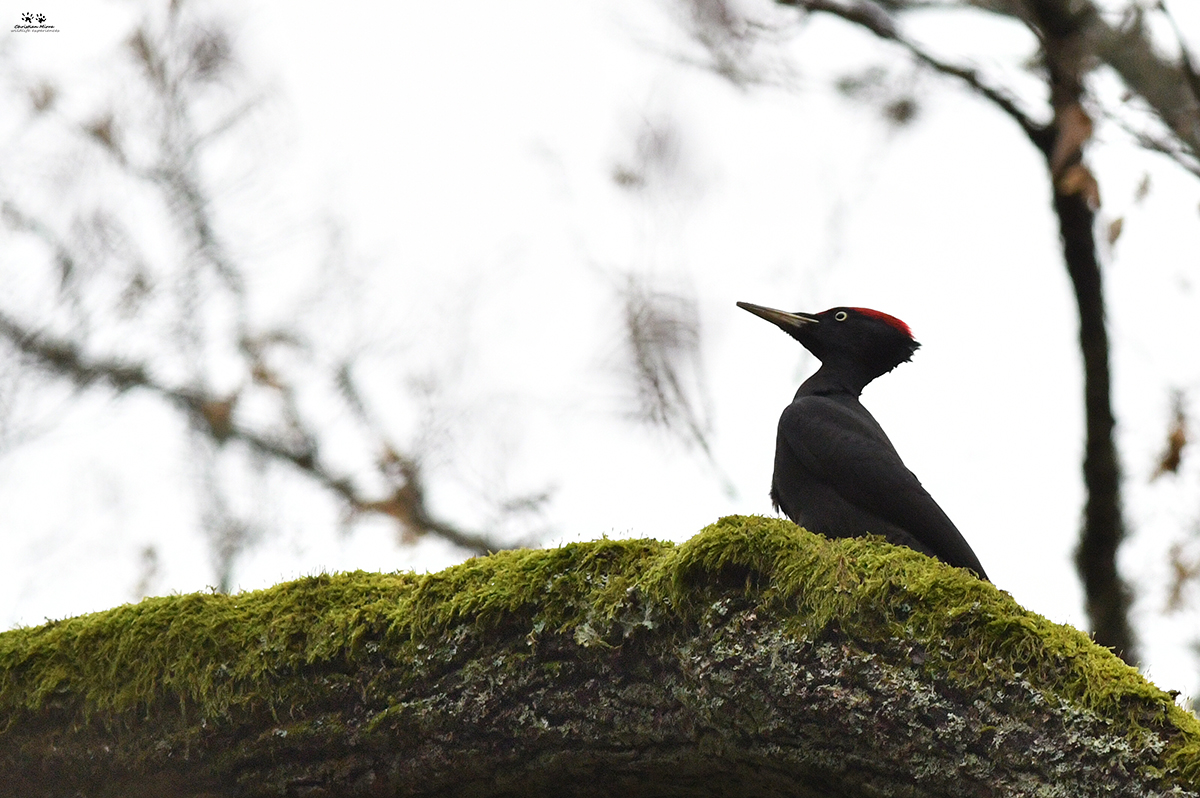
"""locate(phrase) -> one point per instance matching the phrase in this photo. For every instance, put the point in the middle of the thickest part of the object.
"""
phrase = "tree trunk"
(1063, 29)
(756, 659)
(1108, 598)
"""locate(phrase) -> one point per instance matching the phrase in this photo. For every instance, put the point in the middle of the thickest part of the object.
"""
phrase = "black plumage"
(836, 472)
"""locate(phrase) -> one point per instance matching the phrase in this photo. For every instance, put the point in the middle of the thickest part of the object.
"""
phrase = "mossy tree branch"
(756, 659)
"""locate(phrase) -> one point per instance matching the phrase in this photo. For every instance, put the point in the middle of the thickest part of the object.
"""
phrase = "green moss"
(209, 654)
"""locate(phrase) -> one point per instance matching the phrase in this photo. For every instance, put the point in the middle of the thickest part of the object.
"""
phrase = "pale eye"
(841, 315)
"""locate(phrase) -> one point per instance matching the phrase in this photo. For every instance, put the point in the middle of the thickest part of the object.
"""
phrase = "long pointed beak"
(788, 322)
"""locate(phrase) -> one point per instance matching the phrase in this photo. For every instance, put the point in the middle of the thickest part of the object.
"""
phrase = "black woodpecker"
(836, 472)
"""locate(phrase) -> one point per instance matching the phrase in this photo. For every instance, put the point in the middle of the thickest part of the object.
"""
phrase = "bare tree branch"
(1166, 144)
(153, 138)
(64, 258)
(662, 340)
(1185, 58)
(213, 416)
(663, 337)
(1169, 88)
(875, 18)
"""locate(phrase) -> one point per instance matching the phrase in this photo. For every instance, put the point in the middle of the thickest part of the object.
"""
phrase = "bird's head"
(861, 340)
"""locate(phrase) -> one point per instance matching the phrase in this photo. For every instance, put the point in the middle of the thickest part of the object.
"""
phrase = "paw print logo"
(41, 18)
(27, 18)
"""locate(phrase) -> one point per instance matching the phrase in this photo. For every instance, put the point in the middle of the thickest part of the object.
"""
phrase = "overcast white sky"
(466, 149)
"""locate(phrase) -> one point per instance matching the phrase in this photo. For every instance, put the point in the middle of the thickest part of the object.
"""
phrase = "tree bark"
(757, 659)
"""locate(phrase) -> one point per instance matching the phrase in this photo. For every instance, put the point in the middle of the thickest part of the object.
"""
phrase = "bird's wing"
(844, 446)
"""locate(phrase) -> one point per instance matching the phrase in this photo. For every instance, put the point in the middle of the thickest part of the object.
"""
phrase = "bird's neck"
(837, 378)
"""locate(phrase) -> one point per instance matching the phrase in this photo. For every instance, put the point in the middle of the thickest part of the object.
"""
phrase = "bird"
(836, 472)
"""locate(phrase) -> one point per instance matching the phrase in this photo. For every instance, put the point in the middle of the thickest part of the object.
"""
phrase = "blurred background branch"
(146, 293)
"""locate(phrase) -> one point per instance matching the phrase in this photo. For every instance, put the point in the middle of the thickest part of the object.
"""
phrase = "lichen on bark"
(755, 659)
